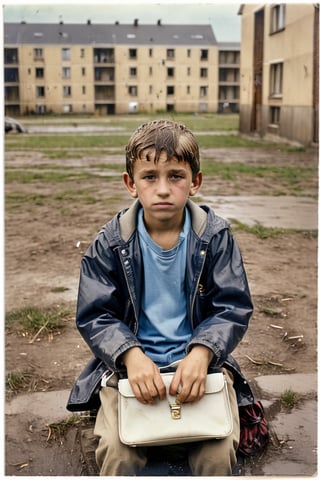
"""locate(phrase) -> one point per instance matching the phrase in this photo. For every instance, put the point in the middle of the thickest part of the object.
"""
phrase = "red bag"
(254, 430)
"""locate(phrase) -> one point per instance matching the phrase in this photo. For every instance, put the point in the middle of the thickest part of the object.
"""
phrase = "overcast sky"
(223, 17)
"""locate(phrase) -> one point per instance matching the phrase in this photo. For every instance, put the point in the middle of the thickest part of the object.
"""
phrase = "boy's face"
(162, 188)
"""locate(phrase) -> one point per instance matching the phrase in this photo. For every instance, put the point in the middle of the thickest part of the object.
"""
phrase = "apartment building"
(109, 69)
(229, 77)
(279, 86)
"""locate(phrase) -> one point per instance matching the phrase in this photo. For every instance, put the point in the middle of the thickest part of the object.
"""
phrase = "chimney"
(159, 22)
(136, 21)
(89, 22)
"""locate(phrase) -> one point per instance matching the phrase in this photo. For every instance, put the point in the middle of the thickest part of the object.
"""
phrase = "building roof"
(107, 34)
(229, 46)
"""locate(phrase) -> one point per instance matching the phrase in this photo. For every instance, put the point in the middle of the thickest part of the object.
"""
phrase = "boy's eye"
(149, 177)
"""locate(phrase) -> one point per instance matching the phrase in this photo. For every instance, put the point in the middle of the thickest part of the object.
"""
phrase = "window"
(188, 89)
(38, 54)
(133, 91)
(66, 72)
(203, 72)
(39, 72)
(83, 71)
(189, 53)
(188, 71)
(150, 71)
(132, 72)
(65, 53)
(150, 52)
(170, 53)
(82, 53)
(83, 90)
(170, 72)
(204, 54)
(66, 91)
(170, 90)
(133, 53)
(40, 91)
(277, 18)
(276, 75)
(275, 115)
(203, 91)
(41, 109)
(150, 89)
(67, 108)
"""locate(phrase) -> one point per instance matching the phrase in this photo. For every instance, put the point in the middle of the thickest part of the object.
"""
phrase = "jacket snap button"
(202, 252)
(124, 252)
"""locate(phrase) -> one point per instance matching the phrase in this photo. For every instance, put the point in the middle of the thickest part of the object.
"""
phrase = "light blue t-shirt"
(164, 329)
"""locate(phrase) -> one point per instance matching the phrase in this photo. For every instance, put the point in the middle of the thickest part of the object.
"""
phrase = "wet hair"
(163, 136)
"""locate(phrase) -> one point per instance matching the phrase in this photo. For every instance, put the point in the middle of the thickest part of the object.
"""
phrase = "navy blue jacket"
(218, 299)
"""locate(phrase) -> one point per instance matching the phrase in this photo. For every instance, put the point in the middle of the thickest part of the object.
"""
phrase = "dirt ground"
(44, 242)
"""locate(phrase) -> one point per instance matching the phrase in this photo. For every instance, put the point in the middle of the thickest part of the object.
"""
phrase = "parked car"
(12, 124)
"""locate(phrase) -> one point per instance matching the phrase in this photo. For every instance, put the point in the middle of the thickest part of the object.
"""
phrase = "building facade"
(115, 69)
(279, 87)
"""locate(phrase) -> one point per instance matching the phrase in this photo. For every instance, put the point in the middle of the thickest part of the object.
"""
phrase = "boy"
(164, 281)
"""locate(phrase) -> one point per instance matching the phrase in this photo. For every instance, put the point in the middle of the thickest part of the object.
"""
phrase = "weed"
(289, 398)
(58, 431)
(32, 319)
(260, 231)
(15, 380)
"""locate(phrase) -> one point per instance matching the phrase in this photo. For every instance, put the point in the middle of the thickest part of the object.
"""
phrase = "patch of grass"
(230, 171)
(16, 380)
(24, 176)
(59, 289)
(83, 196)
(58, 431)
(35, 198)
(260, 231)
(289, 399)
(67, 142)
(32, 319)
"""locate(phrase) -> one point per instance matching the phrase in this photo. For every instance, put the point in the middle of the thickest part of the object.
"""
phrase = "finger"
(175, 383)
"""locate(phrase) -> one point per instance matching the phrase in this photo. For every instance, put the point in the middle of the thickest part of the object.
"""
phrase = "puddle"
(299, 213)
(297, 452)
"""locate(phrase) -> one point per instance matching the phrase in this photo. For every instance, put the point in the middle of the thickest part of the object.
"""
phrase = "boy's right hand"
(144, 376)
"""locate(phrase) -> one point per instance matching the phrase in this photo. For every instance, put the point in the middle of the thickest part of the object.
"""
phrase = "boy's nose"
(163, 187)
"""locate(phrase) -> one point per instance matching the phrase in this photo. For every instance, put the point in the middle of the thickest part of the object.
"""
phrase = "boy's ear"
(196, 184)
(129, 183)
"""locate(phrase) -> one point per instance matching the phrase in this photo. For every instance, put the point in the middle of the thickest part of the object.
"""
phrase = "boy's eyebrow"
(148, 171)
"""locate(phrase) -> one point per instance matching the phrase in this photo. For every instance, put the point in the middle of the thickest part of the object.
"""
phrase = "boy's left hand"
(189, 380)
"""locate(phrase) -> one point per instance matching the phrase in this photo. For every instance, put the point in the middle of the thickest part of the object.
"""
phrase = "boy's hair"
(164, 135)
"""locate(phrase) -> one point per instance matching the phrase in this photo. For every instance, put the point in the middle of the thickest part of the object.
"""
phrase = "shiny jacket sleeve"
(103, 303)
(222, 306)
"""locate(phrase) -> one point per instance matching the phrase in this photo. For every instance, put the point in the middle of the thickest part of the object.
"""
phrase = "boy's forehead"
(149, 155)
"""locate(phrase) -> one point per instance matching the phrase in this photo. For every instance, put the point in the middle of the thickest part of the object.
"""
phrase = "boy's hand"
(144, 376)
(190, 377)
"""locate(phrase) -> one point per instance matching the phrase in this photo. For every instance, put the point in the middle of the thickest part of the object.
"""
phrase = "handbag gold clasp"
(175, 411)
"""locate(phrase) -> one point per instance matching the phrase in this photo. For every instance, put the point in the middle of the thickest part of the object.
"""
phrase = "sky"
(223, 16)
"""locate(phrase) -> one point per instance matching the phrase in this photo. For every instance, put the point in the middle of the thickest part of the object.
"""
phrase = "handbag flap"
(215, 383)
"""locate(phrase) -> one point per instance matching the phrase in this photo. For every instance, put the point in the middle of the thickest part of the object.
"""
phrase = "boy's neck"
(165, 234)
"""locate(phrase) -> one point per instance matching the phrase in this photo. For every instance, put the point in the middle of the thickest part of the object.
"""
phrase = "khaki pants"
(208, 458)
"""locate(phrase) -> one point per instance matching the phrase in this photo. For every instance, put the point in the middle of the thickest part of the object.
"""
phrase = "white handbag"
(168, 423)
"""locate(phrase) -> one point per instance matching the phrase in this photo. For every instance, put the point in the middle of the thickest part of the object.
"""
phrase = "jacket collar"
(128, 219)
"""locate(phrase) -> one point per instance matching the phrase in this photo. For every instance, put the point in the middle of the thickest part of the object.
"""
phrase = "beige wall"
(151, 79)
(293, 46)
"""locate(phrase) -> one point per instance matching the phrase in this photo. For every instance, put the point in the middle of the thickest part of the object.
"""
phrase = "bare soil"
(43, 247)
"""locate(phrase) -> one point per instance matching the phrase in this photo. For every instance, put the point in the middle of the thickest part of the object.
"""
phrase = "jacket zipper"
(131, 298)
(197, 285)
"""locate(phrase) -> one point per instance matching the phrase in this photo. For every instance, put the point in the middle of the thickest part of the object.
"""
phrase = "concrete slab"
(276, 385)
(49, 406)
(299, 213)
